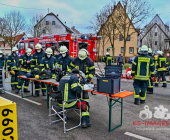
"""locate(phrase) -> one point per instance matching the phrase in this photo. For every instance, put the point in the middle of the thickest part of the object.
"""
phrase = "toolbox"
(107, 85)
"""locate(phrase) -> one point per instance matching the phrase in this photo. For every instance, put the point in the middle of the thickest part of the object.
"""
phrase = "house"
(156, 35)
(5, 47)
(51, 24)
(75, 30)
(131, 43)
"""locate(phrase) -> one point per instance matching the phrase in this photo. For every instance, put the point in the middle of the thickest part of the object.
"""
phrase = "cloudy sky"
(76, 13)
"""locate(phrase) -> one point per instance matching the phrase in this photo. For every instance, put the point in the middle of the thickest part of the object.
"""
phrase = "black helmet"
(75, 71)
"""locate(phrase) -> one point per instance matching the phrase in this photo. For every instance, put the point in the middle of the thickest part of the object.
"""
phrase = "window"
(155, 42)
(122, 49)
(119, 17)
(53, 23)
(122, 26)
(31, 45)
(120, 38)
(47, 22)
(131, 50)
(155, 26)
(26, 45)
(155, 33)
(43, 31)
(128, 38)
(21, 45)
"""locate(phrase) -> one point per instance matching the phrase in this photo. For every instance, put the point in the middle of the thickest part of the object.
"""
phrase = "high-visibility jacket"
(162, 64)
(64, 63)
(48, 63)
(71, 89)
(3, 61)
(23, 63)
(86, 66)
(156, 60)
(108, 60)
(36, 60)
(143, 67)
(15, 60)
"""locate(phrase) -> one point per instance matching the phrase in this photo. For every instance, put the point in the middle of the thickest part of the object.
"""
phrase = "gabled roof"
(159, 28)
(158, 17)
(115, 6)
(18, 38)
(67, 28)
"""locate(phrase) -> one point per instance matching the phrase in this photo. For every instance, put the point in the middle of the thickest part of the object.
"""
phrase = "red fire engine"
(72, 42)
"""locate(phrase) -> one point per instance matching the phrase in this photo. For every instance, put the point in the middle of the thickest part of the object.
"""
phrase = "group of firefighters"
(71, 84)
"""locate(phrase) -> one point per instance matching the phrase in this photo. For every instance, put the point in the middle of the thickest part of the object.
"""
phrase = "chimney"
(73, 28)
(114, 6)
(65, 22)
(57, 15)
(125, 7)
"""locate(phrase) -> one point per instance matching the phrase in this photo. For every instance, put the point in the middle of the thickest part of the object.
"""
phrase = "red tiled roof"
(18, 38)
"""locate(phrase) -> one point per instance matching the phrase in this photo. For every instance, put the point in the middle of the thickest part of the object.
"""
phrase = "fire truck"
(73, 42)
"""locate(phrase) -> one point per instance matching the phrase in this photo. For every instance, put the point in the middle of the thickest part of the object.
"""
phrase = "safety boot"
(26, 90)
(88, 121)
(84, 122)
(44, 92)
(17, 91)
(36, 94)
(137, 103)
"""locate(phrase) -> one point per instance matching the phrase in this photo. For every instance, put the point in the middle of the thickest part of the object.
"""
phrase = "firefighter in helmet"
(3, 61)
(35, 64)
(86, 65)
(142, 68)
(65, 59)
(162, 67)
(150, 87)
(25, 64)
(13, 67)
(108, 59)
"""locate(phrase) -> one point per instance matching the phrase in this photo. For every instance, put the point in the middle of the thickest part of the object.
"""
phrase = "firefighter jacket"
(108, 59)
(3, 61)
(64, 63)
(156, 60)
(13, 62)
(57, 57)
(143, 67)
(48, 63)
(71, 89)
(86, 66)
(162, 64)
(37, 59)
(23, 63)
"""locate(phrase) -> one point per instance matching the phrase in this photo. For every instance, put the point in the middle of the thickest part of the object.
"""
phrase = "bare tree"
(13, 24)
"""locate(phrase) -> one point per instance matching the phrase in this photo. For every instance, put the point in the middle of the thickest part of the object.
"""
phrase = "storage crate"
(106, 85)
(114, 68)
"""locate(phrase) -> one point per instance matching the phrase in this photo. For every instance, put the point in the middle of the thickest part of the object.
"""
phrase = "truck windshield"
(83, 45)
(21, 45)
(64, 43)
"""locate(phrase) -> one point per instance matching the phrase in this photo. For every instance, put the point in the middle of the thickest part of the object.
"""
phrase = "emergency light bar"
(40, 38)
(63, 35)
(50, 36)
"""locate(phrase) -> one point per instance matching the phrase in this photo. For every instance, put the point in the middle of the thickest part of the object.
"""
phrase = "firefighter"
(3, 61)
(13, 67)
(142, 67)
(72, 92)
(162, 66)
(37, 56)
(57, 54)
(108, 59)
(48, 62)
(86, 65)
(150, 87)
(65, 60)
(25, 64)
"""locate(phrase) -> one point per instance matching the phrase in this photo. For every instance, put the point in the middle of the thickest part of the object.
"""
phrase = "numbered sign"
(8, 120)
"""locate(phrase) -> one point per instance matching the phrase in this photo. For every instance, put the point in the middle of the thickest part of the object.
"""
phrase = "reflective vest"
(48, 63)
(156, 59)
(143, 67)
(162, 64)
(71, 89)
(86, 66)
(23, 63)
(108, 60)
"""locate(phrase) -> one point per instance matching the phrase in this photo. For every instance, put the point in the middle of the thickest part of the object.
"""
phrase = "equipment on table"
(111, 82)
(37, 77)
(46, 74)
(59, 73)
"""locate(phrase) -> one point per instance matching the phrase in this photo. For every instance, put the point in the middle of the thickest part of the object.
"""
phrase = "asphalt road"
(33, 121)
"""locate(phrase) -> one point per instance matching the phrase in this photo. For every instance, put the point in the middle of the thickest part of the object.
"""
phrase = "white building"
(51, 24)
(155, 35)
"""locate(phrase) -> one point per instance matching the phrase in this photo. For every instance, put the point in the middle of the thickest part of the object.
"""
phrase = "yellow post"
(8, 120)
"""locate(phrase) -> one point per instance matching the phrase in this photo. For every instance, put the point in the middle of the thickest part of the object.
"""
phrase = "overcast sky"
(76, 13)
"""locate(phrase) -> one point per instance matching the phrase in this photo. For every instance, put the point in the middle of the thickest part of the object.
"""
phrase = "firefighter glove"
(12, 72)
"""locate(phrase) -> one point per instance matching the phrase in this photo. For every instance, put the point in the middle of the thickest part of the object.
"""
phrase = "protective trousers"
(140, 95)
(21, 81)
(161, 74)
(150, 87)
(14, 79)
(86, 115)
(37, 86)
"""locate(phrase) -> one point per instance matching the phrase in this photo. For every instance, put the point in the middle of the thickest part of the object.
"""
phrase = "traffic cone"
(122, 76)
(126, 76)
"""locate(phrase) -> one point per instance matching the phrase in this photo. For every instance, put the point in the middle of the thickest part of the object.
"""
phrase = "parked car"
(131, 59)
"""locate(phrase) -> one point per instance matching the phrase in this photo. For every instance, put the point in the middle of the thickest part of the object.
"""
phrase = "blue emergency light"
(22, 38)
